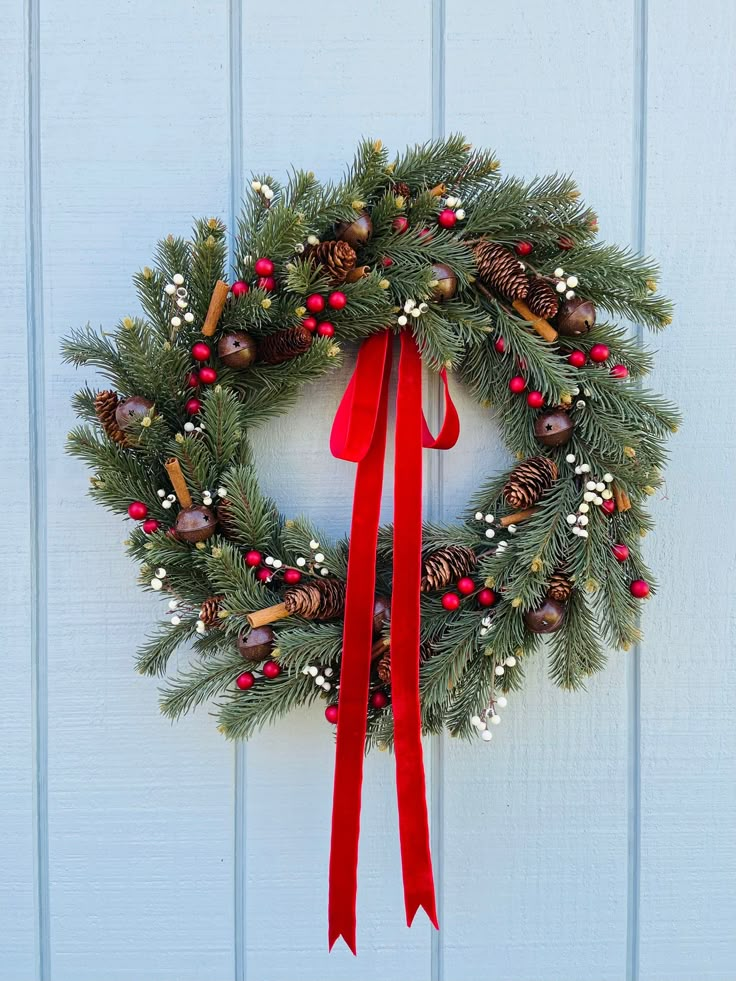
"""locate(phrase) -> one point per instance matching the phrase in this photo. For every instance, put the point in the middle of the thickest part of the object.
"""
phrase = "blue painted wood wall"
(595, 840)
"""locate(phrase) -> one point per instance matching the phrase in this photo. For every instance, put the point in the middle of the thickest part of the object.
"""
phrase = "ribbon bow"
(359, 435)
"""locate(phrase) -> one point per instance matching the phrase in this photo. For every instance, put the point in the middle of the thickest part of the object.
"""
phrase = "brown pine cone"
(316, 599)
(210, 609)
(401, 189)
(499, 269)
(445, 566)
(105, 405)
(383, 668)
(529, 480)
(338, 258)
(284, 345)
(560, 587)
(542, 299)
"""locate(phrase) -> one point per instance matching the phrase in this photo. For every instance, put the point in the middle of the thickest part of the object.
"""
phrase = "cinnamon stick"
(517, 517)
(438, 190)
(357, 273)
(542, 327)
(380, 647)
(622, 499)
(271, 613)
(173, 468)
(217, 305)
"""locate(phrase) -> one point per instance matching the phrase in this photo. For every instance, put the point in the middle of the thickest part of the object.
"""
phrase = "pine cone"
(401, 189)
(383, 669)
(565, 243)
(445, 566)
(210, 609)
(105, 405)
(542, 299)
(560, 587)
(529, 480)
(336, 257)
(284, 345)
(316, 599)
(499, 269)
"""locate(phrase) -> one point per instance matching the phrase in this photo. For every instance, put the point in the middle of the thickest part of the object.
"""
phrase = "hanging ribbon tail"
(358, 434)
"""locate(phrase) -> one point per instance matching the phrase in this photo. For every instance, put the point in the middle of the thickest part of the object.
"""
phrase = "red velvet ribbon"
(359, 435)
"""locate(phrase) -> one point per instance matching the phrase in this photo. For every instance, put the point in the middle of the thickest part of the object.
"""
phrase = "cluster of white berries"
(207, 495)
(263, 189)
(580, 403)
(487, 519)
(273, 562)
(565, 284)
(189, 427)
(596, 492)
(455, 203)
(157, 582)
(320, 676)
(485, 624)
(317, 559)
(173, 606)
(167, 500)
(411, 309)
(490, 717)
(178, 293)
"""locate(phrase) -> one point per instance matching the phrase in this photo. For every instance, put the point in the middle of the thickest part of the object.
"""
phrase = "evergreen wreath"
(500, 281)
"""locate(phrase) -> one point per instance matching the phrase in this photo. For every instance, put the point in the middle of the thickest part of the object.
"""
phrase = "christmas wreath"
(500, 282)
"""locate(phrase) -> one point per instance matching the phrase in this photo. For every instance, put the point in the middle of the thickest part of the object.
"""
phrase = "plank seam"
(235, 49)
(37, 483)
(435, 502)
(639, 205)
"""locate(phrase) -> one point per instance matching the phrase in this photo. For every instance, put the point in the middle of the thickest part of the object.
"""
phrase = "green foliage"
(469, 655)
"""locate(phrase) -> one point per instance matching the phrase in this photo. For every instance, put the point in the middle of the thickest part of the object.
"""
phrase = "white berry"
(166, 504)
(475, 721)
(267, 192)
(486, 736)
(176, 321)
(606, 495)
(327, 686)
(170, 289)
(590, 485)
(222, 491)
(188, 427)
(256, 185)
(182, 304)
(313, 671)
(583, 520)
(589, 496)
(512, 529)
(460, 213)
(402, 321)
(175, 621)
(329, 672)
(571, 519)
(499, 670)
(277, 563)
(559, 271)
(490, 533)
(478, 515)
(560, 287)
(584, 508)
(585, 467)
(496, 719)
(189, 317)
(319, 557)
(570, 295)
(206, 501)
(572, 282)
(269, 560)
(608, 477)
(324, 570)
(178, 279)
(156, 584)
(319, 680)
(502, 702)
(570, 458)
(510, 661)
(301, 562)
(161, 573)
(161, 492)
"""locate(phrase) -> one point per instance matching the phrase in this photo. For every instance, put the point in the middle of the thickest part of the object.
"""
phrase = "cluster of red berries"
(378, 700)
(316, 303)
(246, 680)
(466, 587)
(137, 510)
(254, 559)
(264, 269)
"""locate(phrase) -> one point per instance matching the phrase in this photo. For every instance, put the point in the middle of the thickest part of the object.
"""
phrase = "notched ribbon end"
(347, 936)
(428, 905)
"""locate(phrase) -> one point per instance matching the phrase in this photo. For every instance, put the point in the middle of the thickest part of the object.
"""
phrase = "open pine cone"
(560, 587)
(284, 345)
(542, 299)
(446, 565)
(209, 614)
(316, 599)
(336, 258)
(529, 480)
(500, 270)
(105, 405)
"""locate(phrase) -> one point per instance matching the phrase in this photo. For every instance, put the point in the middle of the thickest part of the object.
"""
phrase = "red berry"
(465, 585)
(535, 400)
(240, 288)
(517, 384)
(447, 218)
(310, 323)
(264, 575)
(500, 345)
(253, 558)
(263, 267)
(379, 700)
(620, 371)
(337, 300)
(245, 680)
(292, 576)
(577, 359)
(524, 248)
(192, 380)
(271, 669)
(208, 376)
(150, 526)
(315, 303)
(331, 714)
(609, 506)
(451, 601)
(486, 597)
(326, 329)
(137, 510)
(639, 588)
(620, 552)
(267, 283)
(400, 224)
(599, 352)
(387, 261)
(193, 406)
(201, 351)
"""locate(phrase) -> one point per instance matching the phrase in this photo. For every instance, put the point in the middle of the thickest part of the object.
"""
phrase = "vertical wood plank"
(323, 107)
(18, 941)
(688, 672)
(543, 809)
(135, 143)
